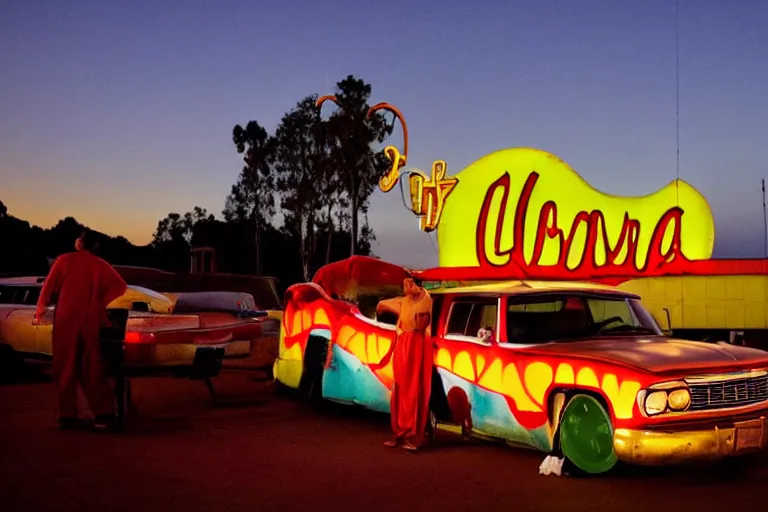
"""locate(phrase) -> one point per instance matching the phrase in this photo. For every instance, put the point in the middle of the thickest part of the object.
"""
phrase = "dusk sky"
(120, 112)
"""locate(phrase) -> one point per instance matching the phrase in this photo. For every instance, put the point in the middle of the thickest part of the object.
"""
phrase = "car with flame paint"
(163, 332)
(574, 369)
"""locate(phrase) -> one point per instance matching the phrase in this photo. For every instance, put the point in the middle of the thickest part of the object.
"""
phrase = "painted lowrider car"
(162, 333)
(572, 369)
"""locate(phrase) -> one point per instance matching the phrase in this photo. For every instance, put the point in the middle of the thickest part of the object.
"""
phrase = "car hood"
(663, 355)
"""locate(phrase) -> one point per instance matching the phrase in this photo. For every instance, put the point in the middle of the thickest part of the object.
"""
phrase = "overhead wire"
(677, 101)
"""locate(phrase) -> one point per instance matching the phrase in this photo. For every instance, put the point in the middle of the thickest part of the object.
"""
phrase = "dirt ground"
(258, 451)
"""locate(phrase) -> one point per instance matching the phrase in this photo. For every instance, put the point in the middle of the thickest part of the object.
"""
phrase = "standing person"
(412, 359)
(84, 284)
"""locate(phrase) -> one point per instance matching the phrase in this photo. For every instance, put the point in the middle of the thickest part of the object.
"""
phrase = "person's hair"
(90, 240)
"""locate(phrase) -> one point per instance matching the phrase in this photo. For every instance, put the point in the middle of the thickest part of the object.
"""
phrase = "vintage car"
(163, 332)
(573, 369)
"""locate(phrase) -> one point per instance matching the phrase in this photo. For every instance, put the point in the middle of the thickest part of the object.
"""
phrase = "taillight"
(139, 337)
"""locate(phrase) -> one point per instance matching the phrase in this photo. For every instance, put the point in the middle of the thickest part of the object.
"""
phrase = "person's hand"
(36, 319)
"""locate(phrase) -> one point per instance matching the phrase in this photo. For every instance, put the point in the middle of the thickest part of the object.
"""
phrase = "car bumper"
(657, 447)
(177, 354)
(288, 371)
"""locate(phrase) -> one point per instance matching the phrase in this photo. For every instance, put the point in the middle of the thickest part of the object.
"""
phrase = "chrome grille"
(733, 392)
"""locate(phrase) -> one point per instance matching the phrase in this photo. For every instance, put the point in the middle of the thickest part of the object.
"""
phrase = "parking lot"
(258, 451)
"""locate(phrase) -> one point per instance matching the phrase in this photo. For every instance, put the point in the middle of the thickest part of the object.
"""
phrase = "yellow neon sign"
(528, 208)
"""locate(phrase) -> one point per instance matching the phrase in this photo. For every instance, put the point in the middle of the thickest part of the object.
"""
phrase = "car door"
(17, 328)
(460, 360)
(44, 332)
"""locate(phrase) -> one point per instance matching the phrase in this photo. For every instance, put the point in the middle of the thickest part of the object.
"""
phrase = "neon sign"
(526, 209)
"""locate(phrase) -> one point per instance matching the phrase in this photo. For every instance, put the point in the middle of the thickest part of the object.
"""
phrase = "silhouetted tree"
(253, 193)
(352, 134)
(178, 228)
(301, 161)
(173, 236)
(367, 237)
(3, 210)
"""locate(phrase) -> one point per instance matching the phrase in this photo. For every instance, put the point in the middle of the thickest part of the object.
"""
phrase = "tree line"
(300, 201)
(314, 173)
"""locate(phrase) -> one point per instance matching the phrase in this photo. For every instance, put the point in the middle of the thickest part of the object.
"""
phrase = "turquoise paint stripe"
(349, 381)
(491, 414)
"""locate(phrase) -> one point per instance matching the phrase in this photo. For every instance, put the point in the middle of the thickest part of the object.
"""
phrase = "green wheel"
(586, 435)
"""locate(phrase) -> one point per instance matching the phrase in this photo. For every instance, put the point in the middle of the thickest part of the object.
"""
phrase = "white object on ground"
(551, 466)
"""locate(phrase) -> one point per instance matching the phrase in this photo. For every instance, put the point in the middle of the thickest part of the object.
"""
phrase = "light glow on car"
(139, 337)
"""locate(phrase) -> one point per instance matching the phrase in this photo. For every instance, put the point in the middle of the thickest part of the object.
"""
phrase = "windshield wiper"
(628, 328)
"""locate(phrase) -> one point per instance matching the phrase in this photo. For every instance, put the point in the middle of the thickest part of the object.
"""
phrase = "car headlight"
(656, 402)
(679, 399)
(667, 396)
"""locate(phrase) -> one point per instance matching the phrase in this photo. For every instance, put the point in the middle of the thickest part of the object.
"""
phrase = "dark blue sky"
(119, 112)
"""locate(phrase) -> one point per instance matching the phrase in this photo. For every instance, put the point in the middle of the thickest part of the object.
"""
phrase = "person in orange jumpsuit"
(84, 285)
(412, 356)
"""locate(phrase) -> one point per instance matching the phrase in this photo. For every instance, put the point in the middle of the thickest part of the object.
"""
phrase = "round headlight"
(656, 402)
(679, 399)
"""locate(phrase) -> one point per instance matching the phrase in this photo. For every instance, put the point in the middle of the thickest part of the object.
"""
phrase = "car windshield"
(561, 318)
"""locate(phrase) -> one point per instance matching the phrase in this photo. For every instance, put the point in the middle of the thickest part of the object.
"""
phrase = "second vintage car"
(163, 334)
(574, 369)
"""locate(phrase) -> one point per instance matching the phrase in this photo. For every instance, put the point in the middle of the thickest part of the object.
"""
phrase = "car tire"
(311, 383)
(586, 435)
(431, 427)
(10, 362)
(281, 389)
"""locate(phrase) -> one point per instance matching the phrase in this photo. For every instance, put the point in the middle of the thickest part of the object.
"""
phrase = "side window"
(475, 318)
(535, 320)
(6, 295)
(457, 322)
(12, 294)
(483, 316)
(32, 295)
(544, 319)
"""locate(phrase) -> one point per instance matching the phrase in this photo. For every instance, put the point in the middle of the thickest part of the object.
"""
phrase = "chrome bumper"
(657, 448)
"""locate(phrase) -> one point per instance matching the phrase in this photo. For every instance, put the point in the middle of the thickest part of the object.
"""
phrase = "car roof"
(527, 287)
